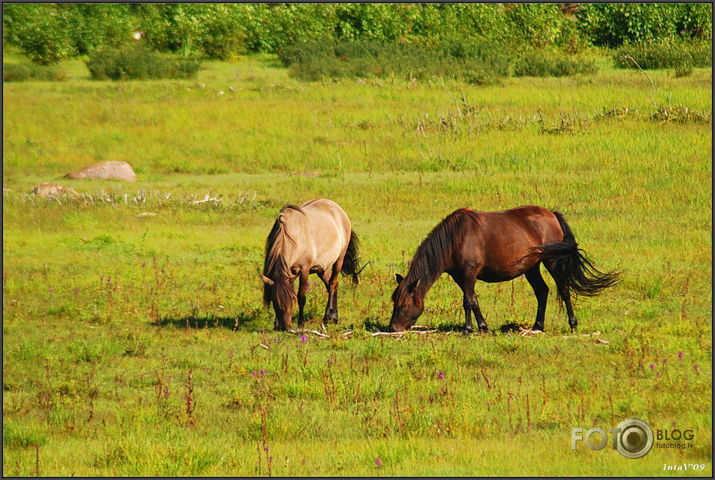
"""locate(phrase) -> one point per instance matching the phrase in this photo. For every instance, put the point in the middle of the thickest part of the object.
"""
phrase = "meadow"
(136, 342)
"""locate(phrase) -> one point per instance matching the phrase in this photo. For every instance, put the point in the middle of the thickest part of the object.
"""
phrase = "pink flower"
(652, 367)
(263, 372)
(303, 339)
(681, 355)
(440, 375)
(378, 462)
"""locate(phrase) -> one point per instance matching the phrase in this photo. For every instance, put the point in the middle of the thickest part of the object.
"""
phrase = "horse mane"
(434, 254)
(274, 266)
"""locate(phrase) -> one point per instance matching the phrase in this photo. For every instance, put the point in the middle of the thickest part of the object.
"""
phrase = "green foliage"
(214, 30)
(613, 24)
(48, 33)
(41, 31)
(139, 63)
(542, 63)
(18, 72)
(653, 55)
(477, 62)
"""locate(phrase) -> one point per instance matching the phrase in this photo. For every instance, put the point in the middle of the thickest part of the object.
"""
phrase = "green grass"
(105, 311)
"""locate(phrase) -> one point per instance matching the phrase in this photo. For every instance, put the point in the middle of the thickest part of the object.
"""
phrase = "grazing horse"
(316, 237)
(496, 247)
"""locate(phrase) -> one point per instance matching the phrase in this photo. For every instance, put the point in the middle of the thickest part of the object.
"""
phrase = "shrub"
(665, 55)
(139, 63)
(42, 33)
(477, 62)
(613, 24)
(540, 63)
(18, 72)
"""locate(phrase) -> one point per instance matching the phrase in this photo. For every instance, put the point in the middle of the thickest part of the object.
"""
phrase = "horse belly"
(492, 276)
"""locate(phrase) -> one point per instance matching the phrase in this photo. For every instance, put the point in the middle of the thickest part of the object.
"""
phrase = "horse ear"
(399, 277)
(412, 286)
(267, 281)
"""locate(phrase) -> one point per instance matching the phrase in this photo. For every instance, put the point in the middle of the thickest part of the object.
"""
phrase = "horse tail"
(352, 258)
(571, 268)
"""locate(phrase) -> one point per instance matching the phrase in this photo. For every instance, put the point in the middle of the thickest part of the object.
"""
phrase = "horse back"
(500, 242)
(321, 230)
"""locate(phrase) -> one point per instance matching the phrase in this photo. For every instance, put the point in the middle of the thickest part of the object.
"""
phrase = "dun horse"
(316, 237)
(496, 247)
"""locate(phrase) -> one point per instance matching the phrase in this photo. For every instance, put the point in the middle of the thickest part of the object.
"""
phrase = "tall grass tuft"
(650, 56)
(139, 63)
(19, 72)
(542, 63)
(477, 62)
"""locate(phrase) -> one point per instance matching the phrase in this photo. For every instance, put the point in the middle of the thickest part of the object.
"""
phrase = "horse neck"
(426, 271)
(435, 255)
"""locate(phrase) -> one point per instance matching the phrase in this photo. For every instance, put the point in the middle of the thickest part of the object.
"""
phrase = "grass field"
(133, 343)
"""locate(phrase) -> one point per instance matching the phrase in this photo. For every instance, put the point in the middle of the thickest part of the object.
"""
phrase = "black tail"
(352, 258)
(571, 268)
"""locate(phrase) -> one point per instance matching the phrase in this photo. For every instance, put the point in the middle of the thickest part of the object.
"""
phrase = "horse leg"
(330, 279)
(471, 304)
(565, 295)
(302, 289)
(541, 290)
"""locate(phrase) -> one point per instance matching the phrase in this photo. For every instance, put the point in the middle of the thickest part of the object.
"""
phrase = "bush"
(48, 33)
(139, 63)
(681, 55)
(477, 62)
(42, 33)
(614, 24)
(18, 72)
(539, 63)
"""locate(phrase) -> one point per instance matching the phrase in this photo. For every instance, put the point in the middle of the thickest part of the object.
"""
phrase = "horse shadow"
(243, 321)
(372, 325)
(512, 327)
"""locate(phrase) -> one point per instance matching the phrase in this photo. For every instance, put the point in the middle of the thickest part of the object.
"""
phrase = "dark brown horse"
(316, 237)
(495, 247)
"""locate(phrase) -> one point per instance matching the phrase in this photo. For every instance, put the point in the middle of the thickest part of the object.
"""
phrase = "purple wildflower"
(440, 375)
(681, 355)
(254, 373)
(76, 291)
(330, 361)
(652, 367)
(263, 372)
(378, 462)
(303, 339)
(267, 448)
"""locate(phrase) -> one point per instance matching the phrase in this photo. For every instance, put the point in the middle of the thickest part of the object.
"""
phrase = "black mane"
(435, 252)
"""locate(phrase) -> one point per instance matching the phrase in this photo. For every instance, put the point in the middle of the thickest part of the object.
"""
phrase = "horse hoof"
(467, 332)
